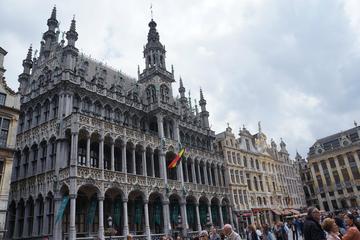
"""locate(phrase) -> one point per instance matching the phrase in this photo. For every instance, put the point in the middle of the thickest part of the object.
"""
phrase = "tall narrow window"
(4, 130)
(2, 99)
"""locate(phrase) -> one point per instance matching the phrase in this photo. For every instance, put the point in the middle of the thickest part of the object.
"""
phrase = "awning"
(286, 212)
(277, 212)
(296, 212)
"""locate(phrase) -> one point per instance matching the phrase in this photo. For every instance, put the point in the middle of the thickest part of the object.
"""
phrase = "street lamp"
(110, 226)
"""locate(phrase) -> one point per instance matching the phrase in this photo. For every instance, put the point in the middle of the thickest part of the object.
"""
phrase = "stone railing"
(44, 130)
(157, 236)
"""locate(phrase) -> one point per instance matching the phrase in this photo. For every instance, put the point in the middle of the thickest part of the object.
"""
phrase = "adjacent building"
(264, 182)
(333, 164)
(9, 114)
(94, 145)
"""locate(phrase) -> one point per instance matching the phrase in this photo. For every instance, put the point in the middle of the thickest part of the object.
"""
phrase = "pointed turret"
(50, 35)
(72, 35)
(25, 75)
(182, 90)
(154, 51)
(27, 62)
(70, 51)
(298, 157)
(204, 114)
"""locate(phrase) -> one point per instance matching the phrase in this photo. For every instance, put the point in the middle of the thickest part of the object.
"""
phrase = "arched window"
(151, 94)
(97, 109)
(245, 162)
(87, 105)
(108, 112)
(117, 115)
(55, 105)
(256, 184)
(164, 92)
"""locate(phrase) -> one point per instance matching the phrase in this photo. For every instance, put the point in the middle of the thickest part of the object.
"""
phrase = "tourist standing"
(312, 227)
(332, 229)
(230, 233)
(353, 231)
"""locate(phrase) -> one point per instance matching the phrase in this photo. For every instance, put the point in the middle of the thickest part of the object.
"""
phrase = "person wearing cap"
(312, 227)
(230, 233)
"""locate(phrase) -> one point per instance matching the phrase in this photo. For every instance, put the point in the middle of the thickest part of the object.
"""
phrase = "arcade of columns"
(99, 160)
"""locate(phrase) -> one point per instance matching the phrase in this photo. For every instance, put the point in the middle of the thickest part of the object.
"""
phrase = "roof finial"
(355, 123)
(28, 56)
(259, 126)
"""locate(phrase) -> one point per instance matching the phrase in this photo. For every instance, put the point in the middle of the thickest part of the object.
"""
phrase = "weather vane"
(151, 11)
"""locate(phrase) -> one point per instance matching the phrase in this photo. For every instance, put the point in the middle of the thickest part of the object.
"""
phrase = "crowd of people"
(342, 225)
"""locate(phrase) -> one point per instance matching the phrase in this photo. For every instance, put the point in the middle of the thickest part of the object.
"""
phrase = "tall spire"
(72, 35)
(154, 51)
(52, 21)
(202, 101)
(27, 63)
(204, 114)
(29, 54)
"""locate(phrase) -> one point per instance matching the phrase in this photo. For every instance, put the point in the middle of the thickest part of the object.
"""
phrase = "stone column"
(193, 171)
(123, 158)
(163, 166)
(186, 171)
(198, 172)
(74, 148)
(181, 173)
(133, 160)
(230, 215)
(221, 183)
(206, 174)
(198, 216)
(166, 215)
(144, 164)
(16, 227)
(25, 232)
(210, 214)
(112, 156)
(216, 171)
(147, 225)
(35, 220)
(45, 222)
(101, 218)
(152, 164)
(88, 141)
(221, 217)
(126, 224)
(211, 176)
(101, 156)
(184, 221)
(72, 228)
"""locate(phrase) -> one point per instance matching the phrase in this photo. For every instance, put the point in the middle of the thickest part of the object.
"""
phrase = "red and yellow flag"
(177, 158)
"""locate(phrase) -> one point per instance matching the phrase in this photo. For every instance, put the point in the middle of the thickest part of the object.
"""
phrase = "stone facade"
(100, 141)
(331, 174)
(9, 114)
(264, 182)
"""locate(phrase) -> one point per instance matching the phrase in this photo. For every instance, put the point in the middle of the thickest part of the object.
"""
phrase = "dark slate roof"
(333, 141)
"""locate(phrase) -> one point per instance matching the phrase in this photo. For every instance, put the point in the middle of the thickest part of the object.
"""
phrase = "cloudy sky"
(294, 65)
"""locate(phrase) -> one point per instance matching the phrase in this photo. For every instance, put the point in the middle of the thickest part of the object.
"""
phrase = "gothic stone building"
(104, 140)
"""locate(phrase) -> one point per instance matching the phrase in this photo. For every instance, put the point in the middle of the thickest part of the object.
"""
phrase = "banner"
(91, 211)
(61, 209)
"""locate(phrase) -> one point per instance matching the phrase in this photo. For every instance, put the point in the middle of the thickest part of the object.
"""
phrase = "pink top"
(332, 236)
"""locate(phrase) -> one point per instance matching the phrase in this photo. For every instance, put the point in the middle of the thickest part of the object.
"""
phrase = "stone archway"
(156, 213)
(136, 214)
(113, 206)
